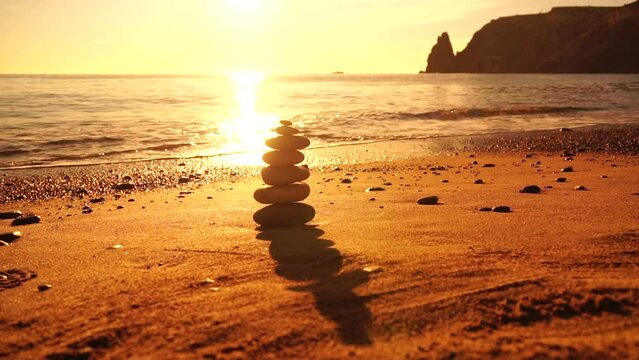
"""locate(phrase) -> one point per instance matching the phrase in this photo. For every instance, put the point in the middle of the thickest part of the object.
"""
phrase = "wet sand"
(375, 275)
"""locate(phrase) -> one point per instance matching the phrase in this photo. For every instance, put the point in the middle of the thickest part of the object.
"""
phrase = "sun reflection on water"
(244, 134)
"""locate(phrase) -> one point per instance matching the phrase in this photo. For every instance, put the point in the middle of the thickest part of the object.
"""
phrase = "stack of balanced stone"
(285, 178)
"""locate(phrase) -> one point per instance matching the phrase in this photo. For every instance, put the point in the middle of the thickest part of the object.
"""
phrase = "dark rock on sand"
(567, 169)
(485, 208)
(10, 214)
(26, 220)
(501, 209)
(10, 237)
(375, 188)
(284, 215)
(346, 181)
(581, 188)
(97, 200)
(530, 189)
(429, 200)
(478, 181)
(183, 180)
(87, 210)
(488, 165)
(561, 179)
(123, 186)
(44, 287)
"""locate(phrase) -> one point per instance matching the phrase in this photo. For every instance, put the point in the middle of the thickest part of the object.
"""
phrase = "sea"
(61, 120)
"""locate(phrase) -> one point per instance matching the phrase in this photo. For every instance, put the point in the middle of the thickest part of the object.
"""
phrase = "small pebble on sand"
(478, 181)
(26, 220)
(429, 200)
(10, 237)
(44, 287)
(10, 214)
(501, 209)
(530, 189)
(561, 179)
(580, 188)
(485, 208)
(375, 188)
(567, 169)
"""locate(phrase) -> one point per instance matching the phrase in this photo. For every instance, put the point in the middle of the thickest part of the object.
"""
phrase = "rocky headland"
(564, 40)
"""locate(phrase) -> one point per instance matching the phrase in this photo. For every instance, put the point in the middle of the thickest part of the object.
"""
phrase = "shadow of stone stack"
(285, 178)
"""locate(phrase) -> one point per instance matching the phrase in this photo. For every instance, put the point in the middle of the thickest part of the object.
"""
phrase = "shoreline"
(374, 275)
(34, 184)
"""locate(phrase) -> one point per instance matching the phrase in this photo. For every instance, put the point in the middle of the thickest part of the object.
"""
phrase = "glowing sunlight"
(244, 5)
(246, 132)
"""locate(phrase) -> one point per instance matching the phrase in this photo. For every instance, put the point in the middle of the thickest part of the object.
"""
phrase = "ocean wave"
(13, 152)
(84, 140)
(456, 114)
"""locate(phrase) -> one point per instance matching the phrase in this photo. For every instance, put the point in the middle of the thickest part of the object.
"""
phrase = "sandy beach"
(183, 272)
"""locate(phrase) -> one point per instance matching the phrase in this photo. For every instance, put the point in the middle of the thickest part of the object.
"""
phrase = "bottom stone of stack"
(284, 215)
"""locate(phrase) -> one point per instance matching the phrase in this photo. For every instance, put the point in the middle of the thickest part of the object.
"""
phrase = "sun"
(244, 5)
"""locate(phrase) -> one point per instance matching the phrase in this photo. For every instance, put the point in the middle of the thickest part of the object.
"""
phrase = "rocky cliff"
(564, 40)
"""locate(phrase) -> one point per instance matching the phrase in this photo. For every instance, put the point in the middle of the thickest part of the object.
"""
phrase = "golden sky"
(219, 36)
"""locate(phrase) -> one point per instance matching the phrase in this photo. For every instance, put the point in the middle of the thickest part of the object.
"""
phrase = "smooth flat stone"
(286, 130)
(286, 122)
(283, 158)
(10, 214)
(288, 142)
(275, 175)
(26, 220)
(282, 193)
(284, 215)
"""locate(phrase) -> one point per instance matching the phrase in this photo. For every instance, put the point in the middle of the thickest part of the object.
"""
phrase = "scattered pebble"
(372, 269)
(10, 214)
(485, 208)
(44, 287)
(124, 186)
(581, 188)
(97, 200)
(115, 247)
(445, 181)
(87, 210)
(346, 181)
(478, 181)
(375, 188)
(183, 180)
(120, 207)
(429, 200)
(501, 209)
(26, 220)
(530, 189)
(604, 176)
(567, 169)
(488, 165)
(561, 179)
(131, 200)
